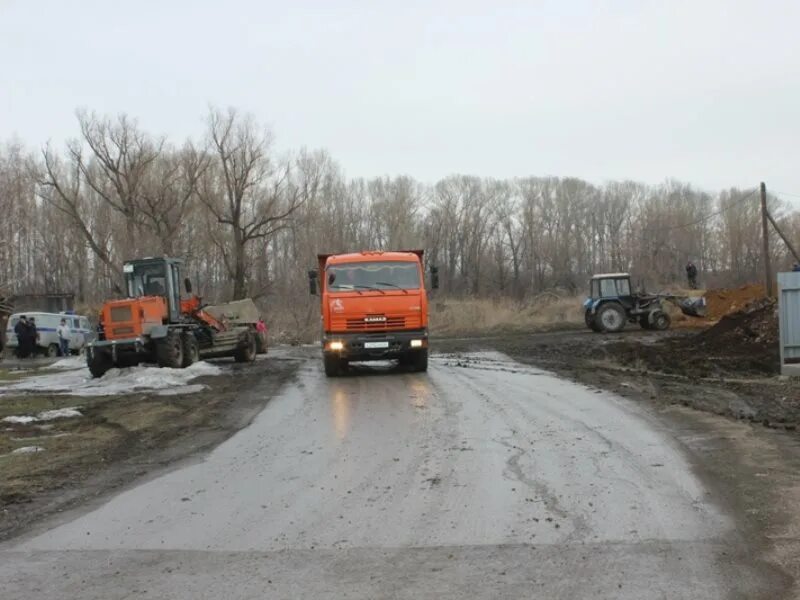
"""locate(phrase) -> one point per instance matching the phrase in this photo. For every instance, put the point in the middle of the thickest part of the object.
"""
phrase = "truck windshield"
(146, 280)
(376, 275)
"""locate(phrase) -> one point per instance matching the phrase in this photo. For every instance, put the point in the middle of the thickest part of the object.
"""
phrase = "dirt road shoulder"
(119, 439)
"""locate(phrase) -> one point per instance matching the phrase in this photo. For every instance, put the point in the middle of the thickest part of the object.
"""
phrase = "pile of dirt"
(742, 343)
(755, 324)
(721, 302)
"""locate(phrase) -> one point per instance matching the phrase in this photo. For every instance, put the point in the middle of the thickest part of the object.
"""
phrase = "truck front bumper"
(374, 345)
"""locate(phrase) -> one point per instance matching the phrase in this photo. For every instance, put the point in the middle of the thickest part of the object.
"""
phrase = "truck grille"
(365, 325)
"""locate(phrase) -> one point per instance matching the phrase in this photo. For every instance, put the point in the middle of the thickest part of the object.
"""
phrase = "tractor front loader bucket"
(693, 307)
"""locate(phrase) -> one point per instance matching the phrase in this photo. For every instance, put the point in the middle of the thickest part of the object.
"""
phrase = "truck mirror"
(434, 278)
(187, 283)
(312, 282)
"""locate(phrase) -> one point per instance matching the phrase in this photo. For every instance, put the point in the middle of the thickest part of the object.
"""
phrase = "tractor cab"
(611, 286)
(159, 277)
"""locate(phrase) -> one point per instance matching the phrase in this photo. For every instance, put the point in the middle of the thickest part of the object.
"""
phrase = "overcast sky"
(707, 92)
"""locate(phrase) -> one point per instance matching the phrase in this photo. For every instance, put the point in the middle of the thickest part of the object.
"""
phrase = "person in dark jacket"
(691, 275)
(34, 335)
(21, 331)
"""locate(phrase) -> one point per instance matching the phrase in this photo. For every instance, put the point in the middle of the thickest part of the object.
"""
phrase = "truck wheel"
(52, 351)
(661, 321)
(591, 321)
(99, 362)
(246, 350)
(420, 360)
(333, 365)
(169, 350)
(611, 317)
(191, 351)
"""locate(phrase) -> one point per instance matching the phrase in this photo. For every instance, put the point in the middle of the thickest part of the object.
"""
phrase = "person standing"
(63, 337)
(691, 275)
(33, 336)
(21, 331)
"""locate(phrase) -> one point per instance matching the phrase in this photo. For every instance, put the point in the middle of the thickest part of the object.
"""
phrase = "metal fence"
(789, 322)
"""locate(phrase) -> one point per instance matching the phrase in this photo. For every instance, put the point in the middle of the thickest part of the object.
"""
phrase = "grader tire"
(169, 351)
(99, 363)
(191, 350)
(246, 350)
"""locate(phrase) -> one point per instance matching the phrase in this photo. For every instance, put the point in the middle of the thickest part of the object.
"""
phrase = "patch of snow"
(79, 382)
(23, 420)
(68, 364)
(186, 389)
(28, 450)
(46, 415)
(59, 413)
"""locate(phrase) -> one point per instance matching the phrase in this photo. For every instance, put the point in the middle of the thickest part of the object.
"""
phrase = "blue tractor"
(612, 304)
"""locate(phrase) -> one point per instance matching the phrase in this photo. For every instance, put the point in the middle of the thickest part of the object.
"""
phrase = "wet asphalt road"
(480, 479)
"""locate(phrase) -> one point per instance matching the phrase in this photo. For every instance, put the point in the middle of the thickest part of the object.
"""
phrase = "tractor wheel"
(661, 321)
(99, 362)
(610, 317)
(246, 350)
(645, 322)
(591, 321)
(169, 350)
(191, 350)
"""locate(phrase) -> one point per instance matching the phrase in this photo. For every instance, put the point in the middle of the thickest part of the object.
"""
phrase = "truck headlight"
(416, 343)
(335, 346)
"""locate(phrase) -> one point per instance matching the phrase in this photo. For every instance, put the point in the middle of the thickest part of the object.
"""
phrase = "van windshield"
(378, 275)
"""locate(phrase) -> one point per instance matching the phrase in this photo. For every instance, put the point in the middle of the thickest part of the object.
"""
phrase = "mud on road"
(120, 438)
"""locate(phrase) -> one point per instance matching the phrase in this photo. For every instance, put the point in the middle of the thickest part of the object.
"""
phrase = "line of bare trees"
(250, 222)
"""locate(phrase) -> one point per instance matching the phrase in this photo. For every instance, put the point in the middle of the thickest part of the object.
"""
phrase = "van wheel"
(52, 350)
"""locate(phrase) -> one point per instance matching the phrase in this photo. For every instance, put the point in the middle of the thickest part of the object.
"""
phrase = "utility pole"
(765, 235)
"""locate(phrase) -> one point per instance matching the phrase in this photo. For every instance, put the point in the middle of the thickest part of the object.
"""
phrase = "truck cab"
(374, 307)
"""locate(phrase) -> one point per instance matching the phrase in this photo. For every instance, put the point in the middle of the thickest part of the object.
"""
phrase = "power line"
(784, 193)
(704, 218)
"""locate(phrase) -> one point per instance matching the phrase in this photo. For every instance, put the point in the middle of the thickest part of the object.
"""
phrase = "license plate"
(373, 345)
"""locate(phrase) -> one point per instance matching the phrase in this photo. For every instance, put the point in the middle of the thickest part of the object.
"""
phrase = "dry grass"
(502, 315)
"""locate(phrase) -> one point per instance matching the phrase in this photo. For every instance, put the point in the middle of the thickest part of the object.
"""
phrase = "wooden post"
(765, 236)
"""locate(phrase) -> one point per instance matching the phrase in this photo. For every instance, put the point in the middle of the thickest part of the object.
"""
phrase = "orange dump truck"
(374, 307)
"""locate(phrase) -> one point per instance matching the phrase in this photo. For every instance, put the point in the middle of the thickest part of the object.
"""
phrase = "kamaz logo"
(374, 319)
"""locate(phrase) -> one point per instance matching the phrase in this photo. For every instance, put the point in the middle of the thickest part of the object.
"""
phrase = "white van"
(46, 325)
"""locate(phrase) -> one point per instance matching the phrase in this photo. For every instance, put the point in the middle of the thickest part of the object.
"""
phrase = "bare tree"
(246, 190)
